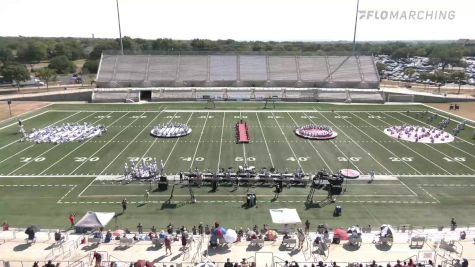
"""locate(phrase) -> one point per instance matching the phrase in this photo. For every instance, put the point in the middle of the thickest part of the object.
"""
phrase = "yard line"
(358, 145)
(106, 142)
(311, 143)
(176, 142)
(131, 142)
(44, 152)
(243, 144)
(285, 137)
(16, 123)
(404, 145)
(154, 141)
(199, 140)
(32, 144)
(221, 142)
(456, 137)
(380, 144)
(7, 145)
(83, 143)
(265, 141)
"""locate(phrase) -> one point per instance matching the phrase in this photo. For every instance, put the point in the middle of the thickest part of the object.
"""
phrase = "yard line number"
(242, 159)
(455, 159)
(29, 159)
(138, 117)
(298, 158)
(190, 158)
(354, 159)
(83, 159)
(103, 117)
(406, 159)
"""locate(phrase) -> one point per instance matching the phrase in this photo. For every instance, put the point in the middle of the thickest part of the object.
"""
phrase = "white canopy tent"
(285, 216)
(92, 220)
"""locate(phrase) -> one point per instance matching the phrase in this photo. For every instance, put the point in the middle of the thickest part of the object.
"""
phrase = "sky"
(266, 20)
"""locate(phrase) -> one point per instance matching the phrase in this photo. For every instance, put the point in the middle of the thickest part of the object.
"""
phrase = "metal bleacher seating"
(237, 71)
(313, 68)
(223, 68)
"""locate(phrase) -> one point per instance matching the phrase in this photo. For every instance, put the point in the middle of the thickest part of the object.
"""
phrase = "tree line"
(60, 52)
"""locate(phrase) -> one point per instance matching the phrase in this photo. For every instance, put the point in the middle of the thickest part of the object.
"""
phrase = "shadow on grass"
(22, 247)
(90, 247)
(350, 247)
(383, 247)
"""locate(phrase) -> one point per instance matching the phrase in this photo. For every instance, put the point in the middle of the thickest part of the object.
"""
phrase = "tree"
(91, 66)
(47, 75)
(62, 65)
(5, 54)
(458, 76)
(381, 68)
(101, 46)
(35, 51)
(16, 73)
(409, 72)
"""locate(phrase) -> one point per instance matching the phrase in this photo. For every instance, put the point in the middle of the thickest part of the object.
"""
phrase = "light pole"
(120, 32)
(356, 23)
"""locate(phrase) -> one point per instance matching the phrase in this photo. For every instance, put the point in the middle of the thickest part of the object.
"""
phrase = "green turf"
(71, 167)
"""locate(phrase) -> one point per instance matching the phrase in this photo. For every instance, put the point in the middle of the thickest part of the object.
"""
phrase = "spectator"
(168, 245)
(236, 264)
(457, 263)
(398, 264)
(244, 263)
(98, 257)
(464, 263)
(301, 237)
(5, 226)
(124, 205)
(49, 264)
(200, 228)
(228, 263)
(307, 227)
(463, 235)
(183, 240)
(35, 264)
(286, 264)
(140, 228)
(72, 219)
(453, 224)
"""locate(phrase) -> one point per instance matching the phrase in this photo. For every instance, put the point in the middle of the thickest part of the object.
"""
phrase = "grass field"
(43, 183)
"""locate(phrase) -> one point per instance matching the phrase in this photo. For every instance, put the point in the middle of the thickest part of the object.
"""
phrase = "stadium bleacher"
(223, 68)
(237, 71)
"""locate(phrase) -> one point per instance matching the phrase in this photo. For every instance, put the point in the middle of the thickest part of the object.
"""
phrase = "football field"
(45, 182)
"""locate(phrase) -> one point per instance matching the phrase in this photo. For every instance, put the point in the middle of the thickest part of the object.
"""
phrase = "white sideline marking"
(221, 142)
(358, 145)
(76, 148)
(311, 143)
(429, 194)
(407, 146)
(265, 141)
(176, 142)
(285, 137)
(85, 188)
(380, 144)
(198, 144)
(84, 162)
(228, 111)
(67, 193)
(44, 152)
